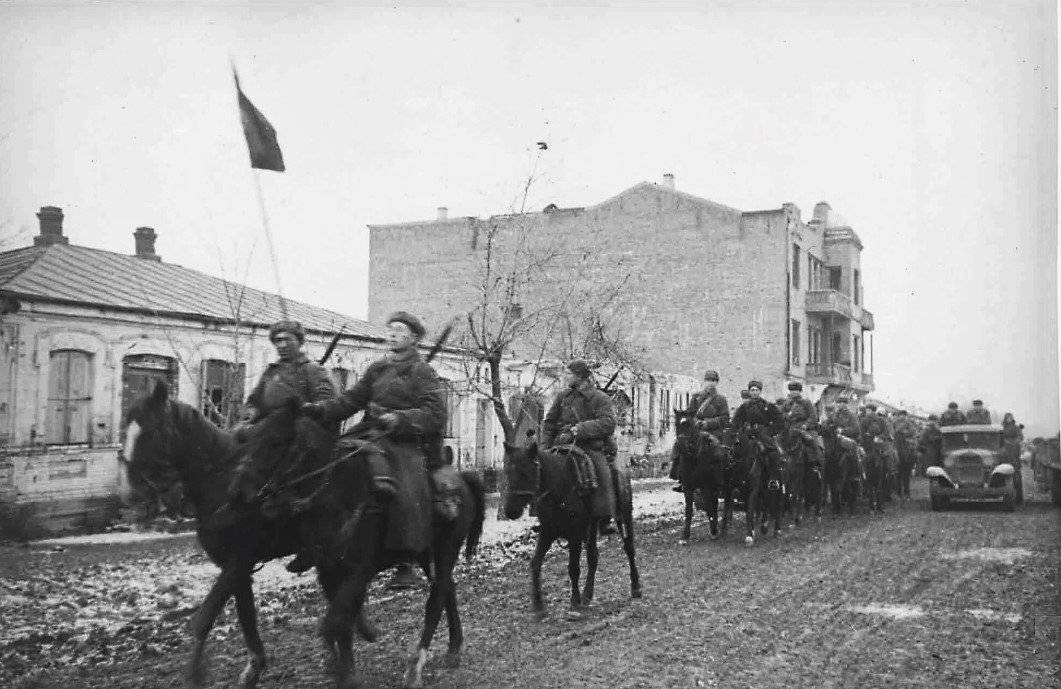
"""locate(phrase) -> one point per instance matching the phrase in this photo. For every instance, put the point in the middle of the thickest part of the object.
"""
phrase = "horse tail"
(475, 532)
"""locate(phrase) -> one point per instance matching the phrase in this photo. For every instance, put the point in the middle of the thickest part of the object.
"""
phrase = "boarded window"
(795, 265)
(8, 363)
(69, 396)
(834, 278)
(222, 391)
(856, 288)
(796, 342)
(856, 351)
(814, 345)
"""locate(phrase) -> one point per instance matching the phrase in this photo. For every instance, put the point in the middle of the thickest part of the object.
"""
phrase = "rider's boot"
(404, 578)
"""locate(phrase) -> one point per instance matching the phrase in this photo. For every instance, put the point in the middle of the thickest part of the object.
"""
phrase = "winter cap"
(414, 323)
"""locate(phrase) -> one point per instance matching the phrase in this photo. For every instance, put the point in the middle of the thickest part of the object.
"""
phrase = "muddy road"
(910, 598)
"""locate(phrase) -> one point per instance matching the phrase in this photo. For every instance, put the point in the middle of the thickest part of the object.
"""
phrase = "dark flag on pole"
(261, 137)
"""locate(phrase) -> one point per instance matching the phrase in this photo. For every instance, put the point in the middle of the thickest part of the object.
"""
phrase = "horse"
(364, 554)
(551, 480)
(761, 477)
(169, 442)
(843, 468)
(803, 479)
(876, 468)
(703, 470)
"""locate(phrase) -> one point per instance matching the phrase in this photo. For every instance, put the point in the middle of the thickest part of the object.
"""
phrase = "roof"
(62, 273)
(972, 428)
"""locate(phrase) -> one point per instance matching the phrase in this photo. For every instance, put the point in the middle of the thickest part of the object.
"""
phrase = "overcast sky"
(930, 127)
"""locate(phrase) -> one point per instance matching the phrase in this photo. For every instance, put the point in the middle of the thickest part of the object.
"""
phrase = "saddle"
(585, 472)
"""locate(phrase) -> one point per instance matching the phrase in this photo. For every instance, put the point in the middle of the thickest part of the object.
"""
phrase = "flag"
(261, 137)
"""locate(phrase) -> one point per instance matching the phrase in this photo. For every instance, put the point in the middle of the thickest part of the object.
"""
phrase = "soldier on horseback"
(906, 433)
(845, 419)
(708, 412)
(878, 436)
(757, 420)
(292, 377)
(801, 421)
(583, 416)
(398, 439)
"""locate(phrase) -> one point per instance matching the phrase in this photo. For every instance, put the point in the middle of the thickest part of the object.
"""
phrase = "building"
(753, 294)
(85, 332)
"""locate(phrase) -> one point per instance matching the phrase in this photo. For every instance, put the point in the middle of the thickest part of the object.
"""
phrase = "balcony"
(839, 374)
(835, 303)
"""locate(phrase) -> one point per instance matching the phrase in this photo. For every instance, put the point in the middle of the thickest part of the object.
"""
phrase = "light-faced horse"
(763, 474)
(704, 465)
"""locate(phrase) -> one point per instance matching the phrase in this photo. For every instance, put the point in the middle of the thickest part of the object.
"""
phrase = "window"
(222, 391)
(834, 278)
(795, 342)
(814, 345)
(453, 408)
(795, 265)
(856, 351)
(816, 272)
(69, 396)
(857, 288)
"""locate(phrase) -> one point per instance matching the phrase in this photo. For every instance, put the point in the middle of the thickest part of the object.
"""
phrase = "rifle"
(441, 341)
(332, 345)
(611, 380)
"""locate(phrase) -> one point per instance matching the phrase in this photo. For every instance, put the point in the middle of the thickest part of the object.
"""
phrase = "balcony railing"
(838, 374)
(833, 301)
(829, 301)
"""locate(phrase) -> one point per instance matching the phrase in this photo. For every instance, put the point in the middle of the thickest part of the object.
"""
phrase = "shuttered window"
(222, 391)
(69, 396)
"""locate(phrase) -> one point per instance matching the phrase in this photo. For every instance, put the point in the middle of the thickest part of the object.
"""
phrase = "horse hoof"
(572, 615)
(196, 677)
(635, 592)
(683, 541)
(350, 681)
(539, 615)
(749, 541)
(451, 660)
(365, 629)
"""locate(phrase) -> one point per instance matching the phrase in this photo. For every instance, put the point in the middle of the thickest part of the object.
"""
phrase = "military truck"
(974, 468)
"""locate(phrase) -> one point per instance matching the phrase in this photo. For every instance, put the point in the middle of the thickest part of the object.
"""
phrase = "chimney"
(145, 243)
(51, 219)
(822, 210)
(443, 212)
(668, 180)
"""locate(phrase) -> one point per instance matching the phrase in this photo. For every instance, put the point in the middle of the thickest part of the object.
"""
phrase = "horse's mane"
(208, 440)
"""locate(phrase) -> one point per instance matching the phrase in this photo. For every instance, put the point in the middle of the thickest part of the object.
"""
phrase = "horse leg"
(574, 572)
(545, 540)
(627, 512)
(687, 531)
(441, 588)
(248, 622)
(203, 622)
(592, 557)
(751, 515)
(336, 628)
(711, 497)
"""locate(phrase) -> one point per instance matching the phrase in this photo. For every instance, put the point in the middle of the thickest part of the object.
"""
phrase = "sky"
(930, 127)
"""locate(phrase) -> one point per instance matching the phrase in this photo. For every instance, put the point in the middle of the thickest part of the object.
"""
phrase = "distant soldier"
(953, 416)
(1012, 438)
(930, 444)
(978, 414)
(801, 418)
(708, 412)
(906, 444)
(845, 419)
(879, 436)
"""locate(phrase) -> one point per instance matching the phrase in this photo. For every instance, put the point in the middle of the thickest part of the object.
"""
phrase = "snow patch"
(894, 611)
(111, 538)
(1005, 556)
(985, 615)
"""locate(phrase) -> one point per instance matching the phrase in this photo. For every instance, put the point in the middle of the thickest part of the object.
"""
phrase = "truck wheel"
(1055, 487)
(939, 503)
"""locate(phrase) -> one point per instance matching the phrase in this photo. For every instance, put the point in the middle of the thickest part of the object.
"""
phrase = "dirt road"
(910, 598)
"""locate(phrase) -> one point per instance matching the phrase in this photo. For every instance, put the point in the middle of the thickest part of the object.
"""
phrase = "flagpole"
(269, 242)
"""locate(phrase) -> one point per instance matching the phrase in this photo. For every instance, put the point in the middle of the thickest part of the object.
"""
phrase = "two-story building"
(753, 294)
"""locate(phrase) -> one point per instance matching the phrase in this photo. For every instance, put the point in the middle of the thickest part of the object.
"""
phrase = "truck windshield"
(983, 441)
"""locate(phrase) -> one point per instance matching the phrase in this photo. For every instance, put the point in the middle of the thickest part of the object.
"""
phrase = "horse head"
(147, 464)
(522, 478)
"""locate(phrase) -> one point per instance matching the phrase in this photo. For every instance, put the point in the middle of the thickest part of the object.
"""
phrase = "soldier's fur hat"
(871, 407)
(755, 384)
(293, 327)
(978, 403)
(414, 323)
(843, 398)
(901, 412)
(952, 405)
(711, 375)
(580, 368)
(795, 386)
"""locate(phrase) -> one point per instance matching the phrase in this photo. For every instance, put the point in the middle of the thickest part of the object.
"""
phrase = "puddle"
(1003, 555)
(985, 615)
(895, 612)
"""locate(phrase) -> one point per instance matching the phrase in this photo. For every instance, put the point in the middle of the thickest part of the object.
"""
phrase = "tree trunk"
(509, 428)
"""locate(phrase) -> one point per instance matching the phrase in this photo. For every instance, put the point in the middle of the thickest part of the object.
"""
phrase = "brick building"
(753, 294)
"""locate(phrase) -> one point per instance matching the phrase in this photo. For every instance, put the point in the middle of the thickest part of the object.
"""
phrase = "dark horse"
(843, 469)
(170, 442)
(705, 465)
(759, 476)
(551, 480)
(803, 479)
